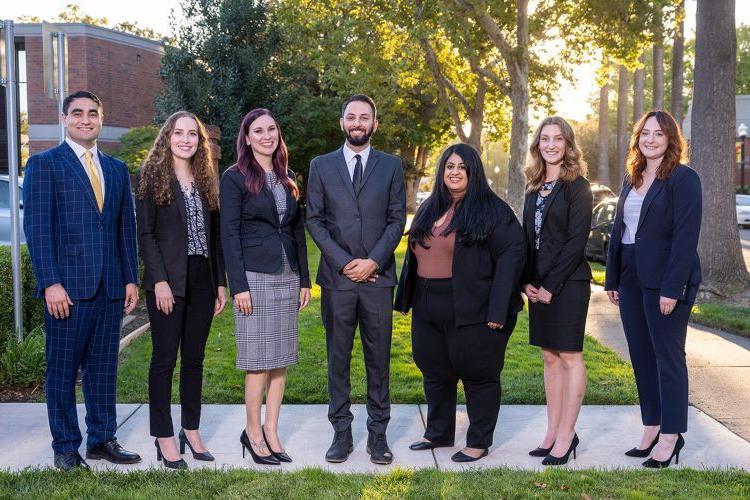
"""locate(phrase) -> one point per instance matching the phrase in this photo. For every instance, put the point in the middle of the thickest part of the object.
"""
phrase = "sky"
(572, 101)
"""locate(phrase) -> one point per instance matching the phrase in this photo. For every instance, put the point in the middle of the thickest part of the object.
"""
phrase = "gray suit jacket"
(345, 226)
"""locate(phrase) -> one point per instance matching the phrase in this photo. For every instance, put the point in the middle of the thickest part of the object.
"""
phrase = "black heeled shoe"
(202, 455)
(281, 456)
(652, 463)
(643, 453)
(462, 457)
(169, 464)
(553, 460)
(541, 452)
(258, 459)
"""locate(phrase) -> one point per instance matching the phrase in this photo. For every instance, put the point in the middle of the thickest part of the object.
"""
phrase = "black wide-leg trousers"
(446, 354)
(185, 329)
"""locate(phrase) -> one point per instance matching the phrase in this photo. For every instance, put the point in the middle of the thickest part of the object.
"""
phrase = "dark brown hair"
(675, 154)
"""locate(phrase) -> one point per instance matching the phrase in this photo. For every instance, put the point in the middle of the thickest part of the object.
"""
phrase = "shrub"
(135, 144)
(23, 363)
(33, 308)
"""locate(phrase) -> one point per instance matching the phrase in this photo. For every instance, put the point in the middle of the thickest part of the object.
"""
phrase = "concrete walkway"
(605, 433)
(718, 363)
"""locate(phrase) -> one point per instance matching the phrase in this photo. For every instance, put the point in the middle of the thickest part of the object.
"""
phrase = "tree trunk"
(638, 91)
(713, 153)
(408, 156)
(622, 121)
(519, 143)
(678, 54)
(658, 72)
(602, 169)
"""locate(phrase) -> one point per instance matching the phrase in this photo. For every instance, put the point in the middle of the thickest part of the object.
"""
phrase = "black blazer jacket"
(666, 240)
(252, 236)
(347, 226)
(162, 240)
(566, 224)
(486, 277)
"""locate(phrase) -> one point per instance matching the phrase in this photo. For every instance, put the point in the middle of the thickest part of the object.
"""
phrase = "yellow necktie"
(96, 182)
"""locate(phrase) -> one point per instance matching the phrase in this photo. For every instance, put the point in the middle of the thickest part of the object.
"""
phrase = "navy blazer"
(70, 241)
(252, 236)
(666, 241)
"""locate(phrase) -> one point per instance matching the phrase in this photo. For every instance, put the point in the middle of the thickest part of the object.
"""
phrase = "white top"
(80, 151)
(351, 161)
(631, 214)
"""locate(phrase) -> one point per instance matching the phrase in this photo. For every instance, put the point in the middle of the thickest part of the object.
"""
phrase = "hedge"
(33, 308)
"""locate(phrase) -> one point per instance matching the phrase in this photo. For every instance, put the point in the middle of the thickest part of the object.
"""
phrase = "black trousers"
(445, 354)
(186, 329)
(372, 309)
(657, 348)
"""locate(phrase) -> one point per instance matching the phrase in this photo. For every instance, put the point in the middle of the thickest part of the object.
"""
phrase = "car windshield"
(743, 201)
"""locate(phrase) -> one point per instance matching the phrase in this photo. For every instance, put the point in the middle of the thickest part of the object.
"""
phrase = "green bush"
(23, 363)
(33, 308)
(135, 144)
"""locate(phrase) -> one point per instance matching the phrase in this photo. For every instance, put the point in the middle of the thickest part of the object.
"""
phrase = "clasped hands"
(535, 294)
(361, 270)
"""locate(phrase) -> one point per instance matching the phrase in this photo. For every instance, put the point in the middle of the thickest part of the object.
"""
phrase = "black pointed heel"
(202, 455)
(541, 452)
(169, 464)
(258, 459)
(553, 460)
(281, 456)
(652, 463)
(643, 453)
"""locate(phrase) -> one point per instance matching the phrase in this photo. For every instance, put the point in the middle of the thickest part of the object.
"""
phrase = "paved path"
(718, 364)
(605, 432)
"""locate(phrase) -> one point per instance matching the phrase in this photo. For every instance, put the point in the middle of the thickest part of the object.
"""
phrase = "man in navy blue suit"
(80, 231)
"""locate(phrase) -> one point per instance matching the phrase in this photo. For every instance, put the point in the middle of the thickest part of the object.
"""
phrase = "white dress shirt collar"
(351, 161)
(80, 151)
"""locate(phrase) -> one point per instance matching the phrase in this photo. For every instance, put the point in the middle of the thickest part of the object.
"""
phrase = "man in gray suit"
(356, 212)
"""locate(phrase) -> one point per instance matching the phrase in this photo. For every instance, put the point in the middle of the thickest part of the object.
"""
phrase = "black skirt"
(561, 324)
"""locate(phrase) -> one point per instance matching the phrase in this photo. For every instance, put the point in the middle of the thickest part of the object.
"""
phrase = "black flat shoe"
(541, 452)
(461, 457)
(637, 452)
(553, 460)
(198, 455)
(426, 445)
(112, 452)
(169, 464)
(280, 455)
(70, 460)
(258, 459)
(652, 463)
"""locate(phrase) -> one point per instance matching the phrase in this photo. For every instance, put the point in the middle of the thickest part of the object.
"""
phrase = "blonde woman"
(557, 221)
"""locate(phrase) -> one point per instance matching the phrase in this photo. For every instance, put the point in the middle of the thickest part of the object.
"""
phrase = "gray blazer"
(346, 226)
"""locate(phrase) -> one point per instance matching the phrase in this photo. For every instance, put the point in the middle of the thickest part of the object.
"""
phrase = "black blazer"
(163, 242)
(666, 240)
(252, 235)
(566, 224)
(486, 278)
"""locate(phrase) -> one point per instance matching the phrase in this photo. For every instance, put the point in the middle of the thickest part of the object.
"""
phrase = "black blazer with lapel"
(666, 240)
(346, 226)
(486, 277)
(162, 239)
(252, 235)
(566, 224)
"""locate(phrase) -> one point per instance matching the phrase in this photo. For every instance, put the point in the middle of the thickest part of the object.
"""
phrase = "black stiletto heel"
(652, 463)
(258, 459)
(643, 453)
(553, 460)
(169, 464)
(281, 456)
(203, 455)
(541, 452)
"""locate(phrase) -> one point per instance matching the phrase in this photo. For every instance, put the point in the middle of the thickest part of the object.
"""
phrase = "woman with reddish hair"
(653, 273)
(263, 235)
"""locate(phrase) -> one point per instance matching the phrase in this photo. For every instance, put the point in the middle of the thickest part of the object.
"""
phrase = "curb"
(130, 337)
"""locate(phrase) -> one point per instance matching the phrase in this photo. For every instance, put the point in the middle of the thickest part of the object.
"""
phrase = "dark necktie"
(357, 177)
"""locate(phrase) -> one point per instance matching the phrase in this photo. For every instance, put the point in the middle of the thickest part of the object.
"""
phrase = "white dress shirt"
(351, 161)
(631, 214)
(80, 151)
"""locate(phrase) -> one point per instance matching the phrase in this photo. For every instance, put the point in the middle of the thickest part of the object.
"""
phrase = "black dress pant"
(657, 348)
(445, 354)
(186, 329)
(372, 309)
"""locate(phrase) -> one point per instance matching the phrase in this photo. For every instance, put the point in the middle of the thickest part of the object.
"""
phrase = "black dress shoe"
(377, 448)
(169, 464)
(652, 463)
(643, 453)
(198, 455)
(553, 460)
(341, 447)
(426, 445)
(70, 460)
(112, 452)
(461, 457)
(280, 455)
(269, 459)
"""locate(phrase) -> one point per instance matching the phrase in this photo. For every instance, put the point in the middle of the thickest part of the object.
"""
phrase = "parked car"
(601, 193)
(743, 210)
(5, 209)
(601, 226)
(421, 196)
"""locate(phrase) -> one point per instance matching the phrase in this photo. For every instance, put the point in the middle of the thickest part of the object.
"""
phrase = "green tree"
(743, 60)
(135, 145)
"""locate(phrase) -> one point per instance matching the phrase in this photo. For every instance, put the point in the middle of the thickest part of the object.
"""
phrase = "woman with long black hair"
(462, 277)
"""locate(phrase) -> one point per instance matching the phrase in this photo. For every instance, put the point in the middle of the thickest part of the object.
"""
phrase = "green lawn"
(610, 379)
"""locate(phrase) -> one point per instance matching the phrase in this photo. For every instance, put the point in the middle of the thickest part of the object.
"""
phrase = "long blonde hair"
(573, 164)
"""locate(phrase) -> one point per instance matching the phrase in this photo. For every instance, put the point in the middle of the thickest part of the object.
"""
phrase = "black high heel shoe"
(169, 464)
(281, 456)
(643, 453)
(258, 459)
(541, 452)
(553, 460)
(652, 463)
(203, 455)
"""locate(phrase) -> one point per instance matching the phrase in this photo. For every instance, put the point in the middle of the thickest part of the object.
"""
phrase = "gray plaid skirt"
(267, 337)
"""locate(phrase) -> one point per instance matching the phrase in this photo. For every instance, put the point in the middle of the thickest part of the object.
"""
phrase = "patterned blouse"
(540, 201)
(279, 193)
(196, 229)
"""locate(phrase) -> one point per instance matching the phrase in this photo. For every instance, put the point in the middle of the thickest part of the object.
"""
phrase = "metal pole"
(61, 81)
(742, 163)
(11, 112)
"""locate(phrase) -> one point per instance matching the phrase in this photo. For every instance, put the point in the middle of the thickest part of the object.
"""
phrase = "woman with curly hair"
(556, 281)
(177, 206)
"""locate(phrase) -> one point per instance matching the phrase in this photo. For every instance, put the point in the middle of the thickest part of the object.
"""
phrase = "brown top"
(437, 261)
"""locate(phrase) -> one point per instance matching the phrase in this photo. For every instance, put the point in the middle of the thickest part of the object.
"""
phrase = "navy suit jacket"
(666, 241)
(69, 240)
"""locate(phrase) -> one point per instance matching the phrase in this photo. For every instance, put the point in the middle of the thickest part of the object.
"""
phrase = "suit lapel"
(528, 214)
(109, 181)
(272, 200)
(372, 160)
(179, 199)
(344, 172)
(206, 222)
(551, 199)
(76, 168)
(654, 190)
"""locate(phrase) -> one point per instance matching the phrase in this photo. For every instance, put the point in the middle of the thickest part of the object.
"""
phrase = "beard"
(358, 141)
